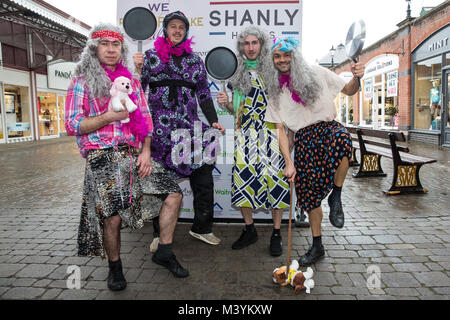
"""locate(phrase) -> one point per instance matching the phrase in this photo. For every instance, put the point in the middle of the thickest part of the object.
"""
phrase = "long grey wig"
(89, 66)
(304, 80)
(241, 79)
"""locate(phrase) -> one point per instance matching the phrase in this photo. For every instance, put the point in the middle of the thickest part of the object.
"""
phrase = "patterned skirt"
(319, 150)
(107, 193)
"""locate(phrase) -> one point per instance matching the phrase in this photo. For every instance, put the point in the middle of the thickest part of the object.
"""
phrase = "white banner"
(368, 90)
(392, 84)
(212, 24)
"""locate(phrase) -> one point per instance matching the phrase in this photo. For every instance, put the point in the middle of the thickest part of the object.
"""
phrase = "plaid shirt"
(80, 104)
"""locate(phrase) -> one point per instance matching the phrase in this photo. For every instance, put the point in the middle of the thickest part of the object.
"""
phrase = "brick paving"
(406, 238)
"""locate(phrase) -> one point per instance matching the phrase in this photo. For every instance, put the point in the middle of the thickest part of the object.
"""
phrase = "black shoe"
(276, 245)
(336, 211)
(247, 238)
(116, 280)
(313, 254)
(172, 264)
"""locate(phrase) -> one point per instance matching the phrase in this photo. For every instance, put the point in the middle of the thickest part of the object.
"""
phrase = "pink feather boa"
(285, 80)
(165, 48)
(138, 124)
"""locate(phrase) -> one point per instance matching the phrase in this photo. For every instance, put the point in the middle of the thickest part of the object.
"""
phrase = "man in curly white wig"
(302, 100)
(117, 155)
(258, 181)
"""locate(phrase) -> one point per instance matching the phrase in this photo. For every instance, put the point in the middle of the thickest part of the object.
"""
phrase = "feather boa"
(165, 48)
(138, 124)
(285, 80)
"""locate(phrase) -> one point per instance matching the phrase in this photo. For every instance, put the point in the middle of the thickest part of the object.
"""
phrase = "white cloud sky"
(325, 22)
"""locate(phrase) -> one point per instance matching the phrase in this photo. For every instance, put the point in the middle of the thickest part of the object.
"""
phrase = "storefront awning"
(54, 32)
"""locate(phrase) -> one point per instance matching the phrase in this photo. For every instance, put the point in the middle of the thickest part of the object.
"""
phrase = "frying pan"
(139, 24)
(221, 64)
(354, 43)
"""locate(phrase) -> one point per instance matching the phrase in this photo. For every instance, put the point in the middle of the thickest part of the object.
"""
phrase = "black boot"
(165, 257)
(314, 253)
(276, 244)
(248, 237)
(336, 211)
(116, 280)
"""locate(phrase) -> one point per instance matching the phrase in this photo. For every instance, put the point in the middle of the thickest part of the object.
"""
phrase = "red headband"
(107, 34)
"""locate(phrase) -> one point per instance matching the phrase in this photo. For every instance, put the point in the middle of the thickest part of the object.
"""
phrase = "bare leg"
(168, 217)
(315, 220)
(167, 222)
(277, 216)
(341, 172)
(247, 214)
(111, 237)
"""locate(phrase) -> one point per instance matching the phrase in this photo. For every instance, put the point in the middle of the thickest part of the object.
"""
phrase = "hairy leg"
(168, 217)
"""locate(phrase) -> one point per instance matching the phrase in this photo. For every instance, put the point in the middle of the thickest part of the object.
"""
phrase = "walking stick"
(289, 232)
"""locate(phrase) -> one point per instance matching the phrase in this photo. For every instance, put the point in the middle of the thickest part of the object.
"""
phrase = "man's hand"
(289, 172)
(222, 98)
(138, 59)
(357, 69)
(218, 126)
(112, 115)
(144, 163)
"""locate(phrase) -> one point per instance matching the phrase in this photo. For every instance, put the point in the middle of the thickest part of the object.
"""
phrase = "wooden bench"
(407, 166)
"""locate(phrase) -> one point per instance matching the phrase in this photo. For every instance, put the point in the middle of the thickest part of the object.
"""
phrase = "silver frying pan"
(354, 43)
(139, 24)
(356, 37)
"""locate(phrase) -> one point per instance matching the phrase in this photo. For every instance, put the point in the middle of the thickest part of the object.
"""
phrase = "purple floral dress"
(174, 89)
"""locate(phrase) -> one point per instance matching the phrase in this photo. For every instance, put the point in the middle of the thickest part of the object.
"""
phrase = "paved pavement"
(402, 241)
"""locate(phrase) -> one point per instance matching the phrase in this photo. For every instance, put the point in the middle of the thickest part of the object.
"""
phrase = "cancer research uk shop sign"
(212, 24)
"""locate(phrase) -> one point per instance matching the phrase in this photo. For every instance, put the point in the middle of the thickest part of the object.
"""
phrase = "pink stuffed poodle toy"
(120, 91)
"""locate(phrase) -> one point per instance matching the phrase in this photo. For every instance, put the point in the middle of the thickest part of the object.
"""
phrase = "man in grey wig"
(258, 181)
(302, 100)
(117, 155)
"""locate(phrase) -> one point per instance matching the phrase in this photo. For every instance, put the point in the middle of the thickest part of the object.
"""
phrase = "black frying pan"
(221, 64)
(140, 24)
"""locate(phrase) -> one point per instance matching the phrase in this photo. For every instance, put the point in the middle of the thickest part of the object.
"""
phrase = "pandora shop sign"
(59, 74)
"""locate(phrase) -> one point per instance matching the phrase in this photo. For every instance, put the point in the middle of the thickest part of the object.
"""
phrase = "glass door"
(377, 108)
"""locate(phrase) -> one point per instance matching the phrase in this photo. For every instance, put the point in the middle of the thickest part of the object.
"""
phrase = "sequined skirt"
(111, 187)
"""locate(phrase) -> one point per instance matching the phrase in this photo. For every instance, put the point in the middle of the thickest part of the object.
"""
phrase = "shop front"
(51, 97)
(430, 61)
(16, 120)
(379, 98)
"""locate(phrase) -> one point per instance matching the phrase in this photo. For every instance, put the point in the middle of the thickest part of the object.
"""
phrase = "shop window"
(427, 95)
(48, 114)
(17, 112)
